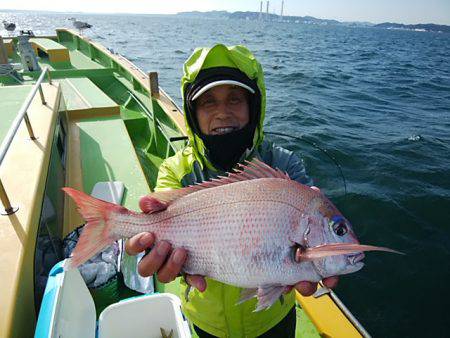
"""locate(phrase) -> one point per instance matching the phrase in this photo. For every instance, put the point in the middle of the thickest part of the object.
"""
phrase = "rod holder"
(154, 85)
(49, 77)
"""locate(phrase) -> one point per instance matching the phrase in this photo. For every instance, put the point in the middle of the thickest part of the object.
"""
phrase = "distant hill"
(211, 14)
(311, 20)
(429, 27)
(256, 16)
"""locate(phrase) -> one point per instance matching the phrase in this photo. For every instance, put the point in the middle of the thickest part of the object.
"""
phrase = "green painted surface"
(72, 98)
(47, 43)
(304, 327)
(11, 100)
(82, 93)
(44, 62)
(107, 154)
(8, 81)
(81, 61)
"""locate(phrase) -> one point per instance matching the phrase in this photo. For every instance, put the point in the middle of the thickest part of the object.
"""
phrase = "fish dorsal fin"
(250, 171)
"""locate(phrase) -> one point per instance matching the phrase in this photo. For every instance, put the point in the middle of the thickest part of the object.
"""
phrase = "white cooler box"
(68, 310)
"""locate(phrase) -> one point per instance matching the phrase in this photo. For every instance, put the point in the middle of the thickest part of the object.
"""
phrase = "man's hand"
(164, 261)
(308, 288)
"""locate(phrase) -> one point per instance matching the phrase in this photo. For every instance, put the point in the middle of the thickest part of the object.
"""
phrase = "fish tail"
(97, 233)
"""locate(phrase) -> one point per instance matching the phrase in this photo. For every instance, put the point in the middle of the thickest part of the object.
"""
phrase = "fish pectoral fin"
(267, 295)
(150, 204)
(247, 294)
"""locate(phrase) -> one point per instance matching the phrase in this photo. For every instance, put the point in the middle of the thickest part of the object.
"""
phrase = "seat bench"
(100, 150)
(83, 97)
(55, 51)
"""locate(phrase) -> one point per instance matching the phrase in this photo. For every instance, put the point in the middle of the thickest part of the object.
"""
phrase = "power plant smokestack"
(260, 10)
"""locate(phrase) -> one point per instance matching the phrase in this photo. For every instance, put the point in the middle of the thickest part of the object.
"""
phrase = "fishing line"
(331, 157)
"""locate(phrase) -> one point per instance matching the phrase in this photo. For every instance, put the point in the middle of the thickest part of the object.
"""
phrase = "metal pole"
(42, 95)
(5, 200)
(49, 77)
(4, 146)
(28, 124)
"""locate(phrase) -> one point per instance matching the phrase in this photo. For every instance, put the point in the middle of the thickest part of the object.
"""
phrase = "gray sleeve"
(285, 160)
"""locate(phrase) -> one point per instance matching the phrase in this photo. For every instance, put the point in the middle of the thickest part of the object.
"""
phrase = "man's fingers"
(172, 267)
(197, 282)
(288, 289)
(139, 243)
(306, 288)
(154, 260)
(313, 187)
(331, 282)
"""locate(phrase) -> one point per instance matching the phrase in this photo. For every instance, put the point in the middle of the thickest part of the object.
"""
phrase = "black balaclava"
(224, 151)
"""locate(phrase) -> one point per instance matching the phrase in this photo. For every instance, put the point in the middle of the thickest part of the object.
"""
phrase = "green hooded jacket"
(215, 310)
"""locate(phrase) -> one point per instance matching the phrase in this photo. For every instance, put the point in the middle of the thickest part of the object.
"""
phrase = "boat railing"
(21, 115)
(156, 124)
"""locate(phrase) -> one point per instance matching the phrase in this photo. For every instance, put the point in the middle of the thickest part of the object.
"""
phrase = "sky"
(376, 11)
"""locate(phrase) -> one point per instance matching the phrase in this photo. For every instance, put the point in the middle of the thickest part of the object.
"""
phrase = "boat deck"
(12, 98)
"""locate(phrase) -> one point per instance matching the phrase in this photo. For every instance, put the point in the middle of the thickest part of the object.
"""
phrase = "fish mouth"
(223, 130)
(356, 258)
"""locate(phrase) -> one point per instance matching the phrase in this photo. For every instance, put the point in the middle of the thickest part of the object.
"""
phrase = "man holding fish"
(224, 103)
(243, 241)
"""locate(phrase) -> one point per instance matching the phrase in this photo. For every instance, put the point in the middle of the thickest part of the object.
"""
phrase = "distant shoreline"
(429, 27)
(269, 17)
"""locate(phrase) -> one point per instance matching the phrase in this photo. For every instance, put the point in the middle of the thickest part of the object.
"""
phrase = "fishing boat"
(74, 113)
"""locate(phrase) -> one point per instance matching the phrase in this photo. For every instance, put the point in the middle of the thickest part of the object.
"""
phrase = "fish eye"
(339, 227)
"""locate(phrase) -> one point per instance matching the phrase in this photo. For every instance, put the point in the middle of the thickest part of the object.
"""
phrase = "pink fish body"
(256, 229)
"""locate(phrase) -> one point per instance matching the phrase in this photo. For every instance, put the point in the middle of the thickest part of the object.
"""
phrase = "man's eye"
(235, 100)
(207, 102)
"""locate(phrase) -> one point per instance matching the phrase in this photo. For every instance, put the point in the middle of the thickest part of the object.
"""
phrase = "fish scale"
(223, 229)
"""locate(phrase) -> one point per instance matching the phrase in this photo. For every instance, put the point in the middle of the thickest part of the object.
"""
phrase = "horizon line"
(133, 13)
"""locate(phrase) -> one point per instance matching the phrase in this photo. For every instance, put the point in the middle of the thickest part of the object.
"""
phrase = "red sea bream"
(256, 229)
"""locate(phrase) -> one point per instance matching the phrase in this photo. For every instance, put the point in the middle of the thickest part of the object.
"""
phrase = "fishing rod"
(331, 157)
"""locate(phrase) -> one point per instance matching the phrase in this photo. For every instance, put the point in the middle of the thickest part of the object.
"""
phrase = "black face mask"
(224, 151)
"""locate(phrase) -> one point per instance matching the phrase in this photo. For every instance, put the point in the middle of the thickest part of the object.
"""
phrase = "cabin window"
(49, 237)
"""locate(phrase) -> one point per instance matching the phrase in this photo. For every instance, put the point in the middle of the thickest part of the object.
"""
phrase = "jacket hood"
(221, 56)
